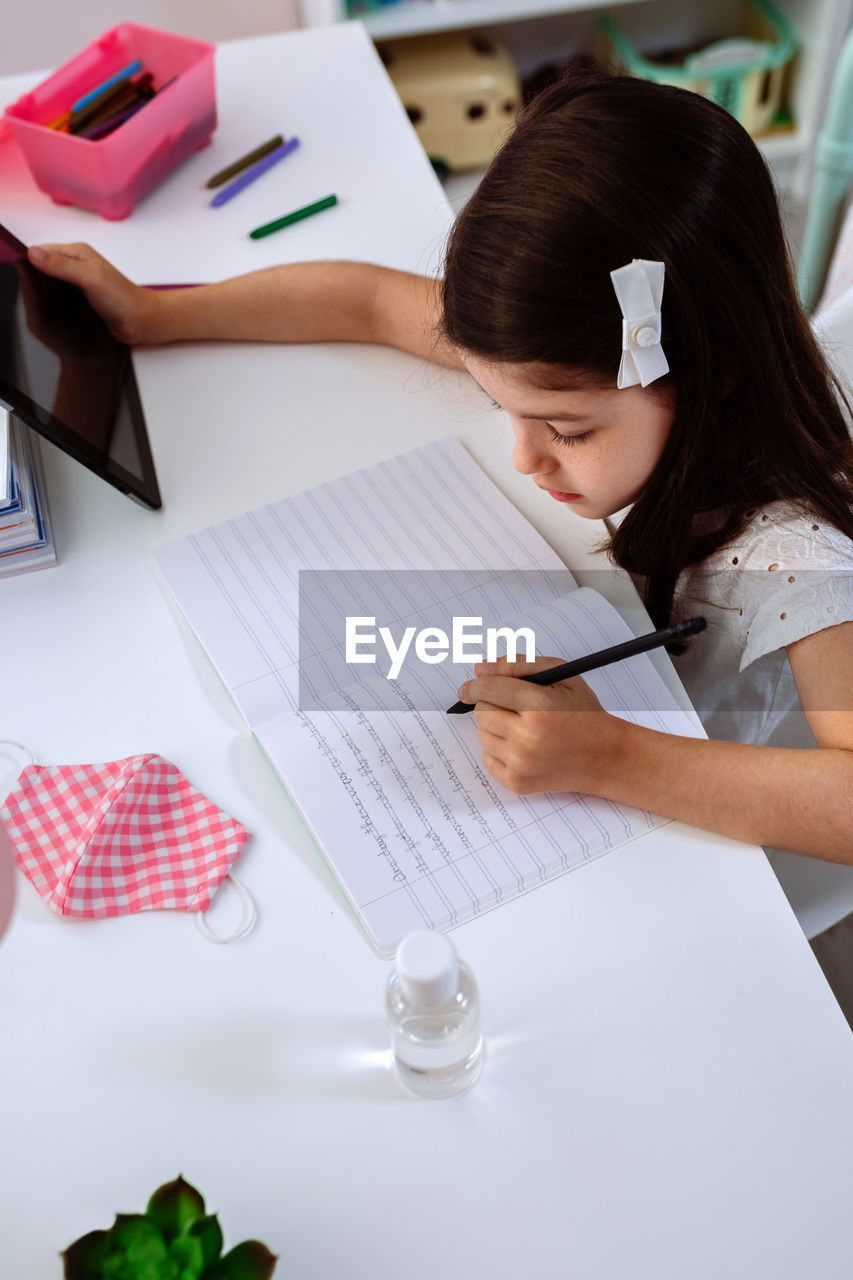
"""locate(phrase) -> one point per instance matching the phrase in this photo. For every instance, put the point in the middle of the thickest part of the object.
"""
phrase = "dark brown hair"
(602, 169)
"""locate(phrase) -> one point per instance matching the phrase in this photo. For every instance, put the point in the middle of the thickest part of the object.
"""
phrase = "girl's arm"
(558, 738)
(299, 302)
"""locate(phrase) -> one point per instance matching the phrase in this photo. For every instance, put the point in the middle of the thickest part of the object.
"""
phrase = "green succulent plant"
(174, 1239)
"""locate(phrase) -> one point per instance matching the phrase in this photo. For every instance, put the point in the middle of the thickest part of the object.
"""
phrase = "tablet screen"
(64, 374)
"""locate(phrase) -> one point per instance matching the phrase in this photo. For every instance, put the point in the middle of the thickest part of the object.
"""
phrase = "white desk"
(669, 1091)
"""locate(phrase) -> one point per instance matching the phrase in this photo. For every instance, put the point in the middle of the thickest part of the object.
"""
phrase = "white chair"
(821, 893)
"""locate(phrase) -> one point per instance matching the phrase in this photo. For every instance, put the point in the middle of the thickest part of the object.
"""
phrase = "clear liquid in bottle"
(434, 1017)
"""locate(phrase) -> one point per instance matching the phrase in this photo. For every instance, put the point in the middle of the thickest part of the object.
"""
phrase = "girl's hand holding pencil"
(541, 737)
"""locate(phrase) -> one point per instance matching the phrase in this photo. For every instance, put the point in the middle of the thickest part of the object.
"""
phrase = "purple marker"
(255, 172)
(106, 126)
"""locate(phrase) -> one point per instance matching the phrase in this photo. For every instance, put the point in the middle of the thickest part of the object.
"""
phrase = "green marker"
(296, 216)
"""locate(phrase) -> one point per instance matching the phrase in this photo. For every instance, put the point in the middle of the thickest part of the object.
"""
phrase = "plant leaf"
(174, 1206)
(208, 1231)
(136, 1237)
(126, 1219)
(83, 1258)
(189, 1255)
(117, 1267)
(136, 1250)
(250, 1260)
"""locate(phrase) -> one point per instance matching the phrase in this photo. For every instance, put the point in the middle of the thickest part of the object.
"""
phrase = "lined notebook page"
(416, 830)
(237, 582)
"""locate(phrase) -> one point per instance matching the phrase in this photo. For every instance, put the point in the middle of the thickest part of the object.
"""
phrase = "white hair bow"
(639, 289)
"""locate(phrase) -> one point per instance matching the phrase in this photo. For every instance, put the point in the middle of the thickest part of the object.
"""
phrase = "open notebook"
(416, 830)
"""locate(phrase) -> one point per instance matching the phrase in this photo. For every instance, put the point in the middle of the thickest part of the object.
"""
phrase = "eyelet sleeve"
(797, 580)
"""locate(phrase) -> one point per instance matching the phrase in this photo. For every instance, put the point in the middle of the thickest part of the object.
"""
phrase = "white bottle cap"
(428, 968)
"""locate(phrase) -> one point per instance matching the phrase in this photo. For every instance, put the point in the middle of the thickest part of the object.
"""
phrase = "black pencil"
(579, 667)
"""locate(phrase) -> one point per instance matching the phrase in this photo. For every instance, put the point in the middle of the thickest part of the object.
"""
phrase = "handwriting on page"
(417, 830)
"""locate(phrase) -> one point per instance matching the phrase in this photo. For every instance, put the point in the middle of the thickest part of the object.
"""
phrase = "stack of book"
(26, 536)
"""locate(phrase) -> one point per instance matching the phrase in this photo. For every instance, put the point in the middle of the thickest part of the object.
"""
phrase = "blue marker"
(130, 70)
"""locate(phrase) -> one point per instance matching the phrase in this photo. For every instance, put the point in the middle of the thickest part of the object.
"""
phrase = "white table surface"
(668, 1085)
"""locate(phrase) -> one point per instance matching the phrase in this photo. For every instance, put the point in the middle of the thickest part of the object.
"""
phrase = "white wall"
(41, 34)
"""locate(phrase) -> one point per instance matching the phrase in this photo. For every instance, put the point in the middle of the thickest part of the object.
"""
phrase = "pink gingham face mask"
(133, 835)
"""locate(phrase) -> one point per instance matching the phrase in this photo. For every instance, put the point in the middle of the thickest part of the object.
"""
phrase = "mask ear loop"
(19, 746)
(246, 925)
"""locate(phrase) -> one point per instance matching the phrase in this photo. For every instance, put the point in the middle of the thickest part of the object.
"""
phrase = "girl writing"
(711, 416)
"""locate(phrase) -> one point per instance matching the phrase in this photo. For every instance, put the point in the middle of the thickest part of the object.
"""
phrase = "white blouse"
(785, 577)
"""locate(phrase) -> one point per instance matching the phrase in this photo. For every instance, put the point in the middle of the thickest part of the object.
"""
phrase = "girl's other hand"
(541, 737)
(128, 310)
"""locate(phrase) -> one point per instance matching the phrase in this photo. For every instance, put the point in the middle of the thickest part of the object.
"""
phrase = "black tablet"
(64, 374)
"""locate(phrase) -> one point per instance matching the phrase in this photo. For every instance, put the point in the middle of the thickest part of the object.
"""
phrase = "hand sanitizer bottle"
(434, 1017)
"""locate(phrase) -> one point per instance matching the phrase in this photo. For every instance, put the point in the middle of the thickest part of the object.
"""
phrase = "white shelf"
(533, 31)
(417, 17)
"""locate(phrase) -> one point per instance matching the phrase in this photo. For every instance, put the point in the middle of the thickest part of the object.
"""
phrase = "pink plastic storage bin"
(111, 174)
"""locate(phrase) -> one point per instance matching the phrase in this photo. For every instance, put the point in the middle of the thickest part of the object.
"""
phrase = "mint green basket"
(744, 74)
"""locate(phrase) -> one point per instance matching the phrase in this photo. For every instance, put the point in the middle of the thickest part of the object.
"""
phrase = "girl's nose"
(532, 454)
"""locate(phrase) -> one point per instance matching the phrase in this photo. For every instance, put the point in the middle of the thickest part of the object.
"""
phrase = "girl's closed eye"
(559, 438)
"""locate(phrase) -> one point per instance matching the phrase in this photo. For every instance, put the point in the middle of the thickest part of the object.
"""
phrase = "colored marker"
(62, 123)
(101, 102)
(238, 166)
(97, 131)
(255, 172)
(111, 105)
(130, 70)
(296, 216)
